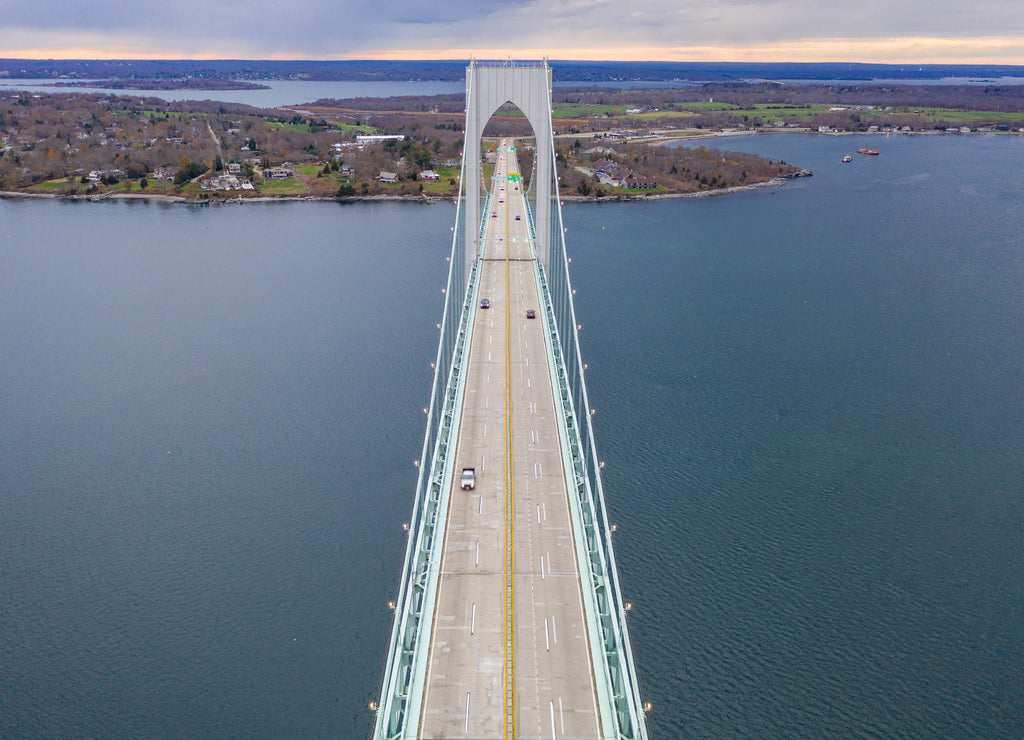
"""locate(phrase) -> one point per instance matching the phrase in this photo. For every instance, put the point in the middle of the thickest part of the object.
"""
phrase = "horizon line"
(894, 51)
(524, 58)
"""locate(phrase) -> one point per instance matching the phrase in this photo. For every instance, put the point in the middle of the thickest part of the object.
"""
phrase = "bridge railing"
(507, 63)
(530, 220)
(485, 209)
(614, 665)
(397, 710)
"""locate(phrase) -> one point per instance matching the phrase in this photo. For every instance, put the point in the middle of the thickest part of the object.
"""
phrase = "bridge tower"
(488, 87)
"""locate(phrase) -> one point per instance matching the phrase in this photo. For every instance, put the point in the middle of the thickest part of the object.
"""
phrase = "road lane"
(509, 424)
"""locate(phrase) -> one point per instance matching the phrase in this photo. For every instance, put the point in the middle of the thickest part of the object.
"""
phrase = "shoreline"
(656, 140)
(162, 198)
(777, 181)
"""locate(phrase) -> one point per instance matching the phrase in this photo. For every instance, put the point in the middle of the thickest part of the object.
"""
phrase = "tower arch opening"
(488, 88)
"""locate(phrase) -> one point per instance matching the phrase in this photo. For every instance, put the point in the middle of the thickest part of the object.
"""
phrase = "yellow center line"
(510, 719)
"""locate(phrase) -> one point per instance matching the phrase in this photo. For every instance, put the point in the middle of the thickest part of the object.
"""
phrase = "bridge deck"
(509, 420)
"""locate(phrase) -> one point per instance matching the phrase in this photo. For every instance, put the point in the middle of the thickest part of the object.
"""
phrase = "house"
(388, 177)
(234, 168)
(622, 178)
(367, 138)
(283, 172)
(339, 148)
(219, 182)
(225, 182)
(428, 175)
(639, 183)
(100, 175)
(604, 166)
(347, 170)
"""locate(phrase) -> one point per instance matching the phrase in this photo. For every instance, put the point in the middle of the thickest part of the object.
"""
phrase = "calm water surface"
(809, 400)
(279, 92)
(292, 92)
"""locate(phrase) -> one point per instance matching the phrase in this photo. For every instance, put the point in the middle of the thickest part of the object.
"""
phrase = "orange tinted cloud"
(909, 50)
(906, 50)
(93, 53)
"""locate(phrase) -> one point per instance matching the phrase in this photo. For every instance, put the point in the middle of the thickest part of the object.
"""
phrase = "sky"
(882, 31)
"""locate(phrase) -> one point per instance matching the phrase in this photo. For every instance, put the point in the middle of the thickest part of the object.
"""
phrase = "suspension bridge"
(509, 621)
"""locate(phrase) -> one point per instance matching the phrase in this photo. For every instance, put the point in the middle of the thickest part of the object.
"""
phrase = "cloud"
(656, 29)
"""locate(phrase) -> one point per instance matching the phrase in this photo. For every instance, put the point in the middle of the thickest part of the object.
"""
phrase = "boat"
(848, 158)
(865, 150)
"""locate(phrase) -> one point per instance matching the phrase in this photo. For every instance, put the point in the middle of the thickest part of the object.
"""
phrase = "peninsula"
(608, 140)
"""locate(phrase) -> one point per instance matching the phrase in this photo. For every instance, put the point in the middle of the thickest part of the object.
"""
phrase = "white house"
(366, 138)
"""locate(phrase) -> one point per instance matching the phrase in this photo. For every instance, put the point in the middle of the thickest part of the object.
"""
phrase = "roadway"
(509, 655)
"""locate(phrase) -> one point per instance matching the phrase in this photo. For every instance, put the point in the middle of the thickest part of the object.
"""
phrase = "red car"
(531, 314)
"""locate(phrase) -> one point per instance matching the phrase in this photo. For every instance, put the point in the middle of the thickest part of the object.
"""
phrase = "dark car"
(517, 218)
(494, 214)
(484, 303)
(531, 314)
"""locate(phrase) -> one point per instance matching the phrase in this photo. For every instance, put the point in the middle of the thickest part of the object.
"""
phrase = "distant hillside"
(450, 70)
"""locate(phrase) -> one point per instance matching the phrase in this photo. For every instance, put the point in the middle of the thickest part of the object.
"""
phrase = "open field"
(291, 186)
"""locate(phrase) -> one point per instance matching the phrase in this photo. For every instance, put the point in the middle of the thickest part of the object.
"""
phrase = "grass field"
(967, 116)
(637, 191)
(291, 186)
(585, 111)
(353, 127)
(74, 186)
(774, 110)
(702, 106)
(61, 185)
(279, 125)
(441, 187)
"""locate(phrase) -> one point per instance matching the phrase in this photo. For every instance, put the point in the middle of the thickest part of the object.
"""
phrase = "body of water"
(809, 400)
(292, 93)
(279, 93)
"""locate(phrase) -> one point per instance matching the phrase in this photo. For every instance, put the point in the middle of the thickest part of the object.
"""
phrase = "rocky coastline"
(779, 181)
